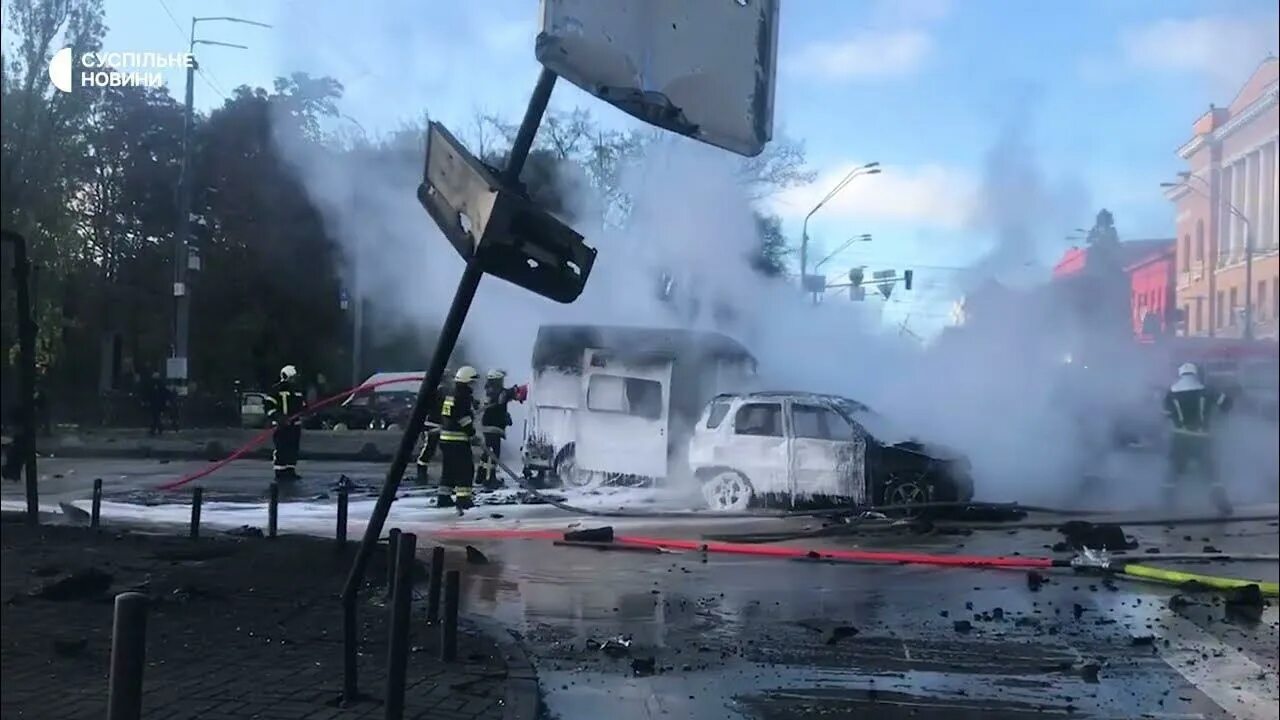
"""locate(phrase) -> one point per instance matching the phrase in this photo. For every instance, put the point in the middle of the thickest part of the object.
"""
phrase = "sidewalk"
(214, 444)
(238, 628)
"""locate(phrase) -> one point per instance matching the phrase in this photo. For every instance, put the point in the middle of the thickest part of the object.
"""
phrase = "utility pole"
(177, 370)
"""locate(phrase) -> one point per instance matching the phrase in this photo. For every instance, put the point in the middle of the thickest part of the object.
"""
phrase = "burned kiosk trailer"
(617, 404)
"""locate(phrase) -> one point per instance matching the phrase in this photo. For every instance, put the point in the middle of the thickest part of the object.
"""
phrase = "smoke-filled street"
(617, 360)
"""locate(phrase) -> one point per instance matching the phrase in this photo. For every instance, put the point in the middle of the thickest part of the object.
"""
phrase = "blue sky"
(1086, 99)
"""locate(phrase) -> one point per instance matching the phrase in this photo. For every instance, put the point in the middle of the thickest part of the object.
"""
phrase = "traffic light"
(855, 277)
(906, 278)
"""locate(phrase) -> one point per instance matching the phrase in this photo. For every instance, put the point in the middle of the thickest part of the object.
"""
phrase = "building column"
(1224, 215)
(1266, 198)
(1252, 198)
(1239, 183)
(1274, 235)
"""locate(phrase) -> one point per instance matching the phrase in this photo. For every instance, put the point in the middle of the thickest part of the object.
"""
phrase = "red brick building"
(1231, 193)
(1149, 266)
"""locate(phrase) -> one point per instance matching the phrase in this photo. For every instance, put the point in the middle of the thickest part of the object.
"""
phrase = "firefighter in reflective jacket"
(432, 429)
(1191, 407)
(495, 418)
(284, 401)
(457, 433)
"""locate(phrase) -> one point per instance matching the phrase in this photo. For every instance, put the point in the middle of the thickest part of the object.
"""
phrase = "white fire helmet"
(288, 372)
(465, 375)
(496, 375)
(1188, 369)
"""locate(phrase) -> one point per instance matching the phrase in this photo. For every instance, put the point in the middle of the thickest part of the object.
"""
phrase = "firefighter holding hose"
(1191, 407)
(285, 401)
(457, 434)
(495, 418)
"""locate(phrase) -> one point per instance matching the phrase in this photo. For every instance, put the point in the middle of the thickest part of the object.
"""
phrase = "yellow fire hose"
(1176, 577)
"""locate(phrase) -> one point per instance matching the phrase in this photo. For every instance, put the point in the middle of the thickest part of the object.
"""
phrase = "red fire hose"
(266, 434)
(773, 550)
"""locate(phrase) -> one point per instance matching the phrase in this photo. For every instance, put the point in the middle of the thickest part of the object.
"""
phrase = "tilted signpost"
(705, 70)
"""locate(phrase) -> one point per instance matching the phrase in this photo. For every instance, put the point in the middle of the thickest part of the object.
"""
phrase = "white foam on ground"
(412, 511)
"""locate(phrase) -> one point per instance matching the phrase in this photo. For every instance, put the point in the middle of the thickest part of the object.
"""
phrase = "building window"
(1186, 253)
(1200, 241)
(1231, 309)
(1218, 314)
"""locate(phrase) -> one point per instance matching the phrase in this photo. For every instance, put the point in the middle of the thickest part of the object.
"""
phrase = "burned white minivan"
(611, 404)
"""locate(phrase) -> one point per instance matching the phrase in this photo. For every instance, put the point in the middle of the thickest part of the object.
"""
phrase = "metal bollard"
(128, 657)
(197, 497)
(95, 513)
(393, 537)
(449, 628)
(273, 510)
(398, 642)
(433, 585)
(341, 533)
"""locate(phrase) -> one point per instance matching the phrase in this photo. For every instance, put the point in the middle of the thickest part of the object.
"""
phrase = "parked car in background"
(805, 450)
(385, 407)
(253, 409)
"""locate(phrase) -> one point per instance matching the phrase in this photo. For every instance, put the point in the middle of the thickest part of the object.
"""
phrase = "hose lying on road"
(263, 436)
(790, 553)
(1176, 577)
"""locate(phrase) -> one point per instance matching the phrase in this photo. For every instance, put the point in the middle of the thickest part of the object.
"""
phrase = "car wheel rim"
(727, 492)
(907, 493)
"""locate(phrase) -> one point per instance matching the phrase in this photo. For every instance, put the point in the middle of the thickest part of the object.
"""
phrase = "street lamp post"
(871, 168)
(865, 237)
(177, 369)
(1248, 243)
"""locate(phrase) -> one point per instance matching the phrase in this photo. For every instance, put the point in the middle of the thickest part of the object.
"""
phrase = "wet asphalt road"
(765, 639)
(735, 637)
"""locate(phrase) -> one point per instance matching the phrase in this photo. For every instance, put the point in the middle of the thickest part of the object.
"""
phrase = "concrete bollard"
(95, 513)
(128, 657)
(273, 510)
(449, 628)
(393, 537)
(340, 534)
(398, 642)
(197, 498)
(433, 585)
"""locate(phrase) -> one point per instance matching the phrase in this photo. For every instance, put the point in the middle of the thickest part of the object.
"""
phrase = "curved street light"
(871, 168)
(865, 237)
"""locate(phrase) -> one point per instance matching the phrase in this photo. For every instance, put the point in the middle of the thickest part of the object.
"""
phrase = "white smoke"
(997, 391)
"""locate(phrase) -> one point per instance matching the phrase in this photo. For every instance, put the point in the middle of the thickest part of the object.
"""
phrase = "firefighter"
(495, 418)
(432, 429)
(457, 434)
(1191, 407)
(285, 401)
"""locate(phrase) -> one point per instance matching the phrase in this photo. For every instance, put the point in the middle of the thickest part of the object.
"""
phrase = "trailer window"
(759, 419)
(719, 409)
(629, 395)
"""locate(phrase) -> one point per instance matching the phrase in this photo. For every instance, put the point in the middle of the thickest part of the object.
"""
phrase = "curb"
(523, 697)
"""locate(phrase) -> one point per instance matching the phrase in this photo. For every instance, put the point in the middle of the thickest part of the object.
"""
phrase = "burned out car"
(805, 450)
